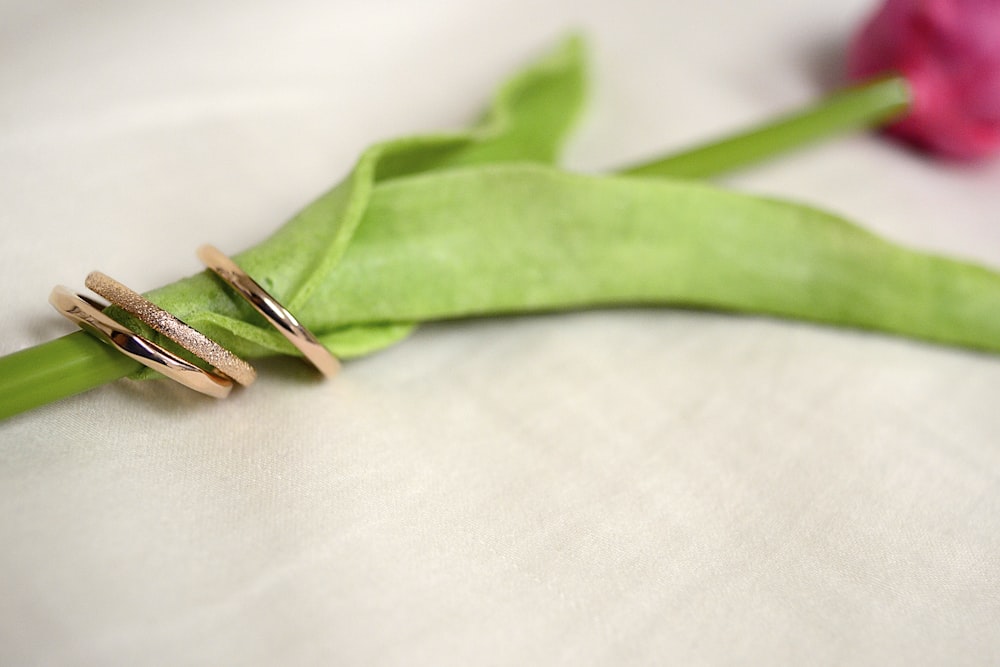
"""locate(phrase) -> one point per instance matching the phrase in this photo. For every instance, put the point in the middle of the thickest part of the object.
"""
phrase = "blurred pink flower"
(949, 51)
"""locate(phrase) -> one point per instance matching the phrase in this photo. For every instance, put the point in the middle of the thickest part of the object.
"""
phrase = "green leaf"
(479, 224)
(521, 238)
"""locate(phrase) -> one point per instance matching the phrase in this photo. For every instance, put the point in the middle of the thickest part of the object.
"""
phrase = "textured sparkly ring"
(195, 342)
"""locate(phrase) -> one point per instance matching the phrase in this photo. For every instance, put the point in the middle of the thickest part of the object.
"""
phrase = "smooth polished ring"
(268, 306)
(87, 314)
(195, 342)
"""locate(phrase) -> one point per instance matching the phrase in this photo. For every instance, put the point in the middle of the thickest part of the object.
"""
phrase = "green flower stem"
(79, 362)
(868, 105)
(58, 369)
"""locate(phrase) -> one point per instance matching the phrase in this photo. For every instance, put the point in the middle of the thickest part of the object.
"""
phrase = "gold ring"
(195, 342)
(268, 306)
(87, 314)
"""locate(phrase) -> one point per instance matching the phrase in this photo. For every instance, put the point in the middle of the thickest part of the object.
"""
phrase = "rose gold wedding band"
(195, 342)
(87, 314)
(268, 306)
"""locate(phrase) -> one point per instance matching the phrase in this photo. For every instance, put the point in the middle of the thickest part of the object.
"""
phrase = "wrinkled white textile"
(602, 488)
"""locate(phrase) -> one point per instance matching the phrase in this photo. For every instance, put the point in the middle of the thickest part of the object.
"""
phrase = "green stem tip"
(58, 369)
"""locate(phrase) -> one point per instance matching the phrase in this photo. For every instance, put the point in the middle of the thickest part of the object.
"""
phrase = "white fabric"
(604, 488)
